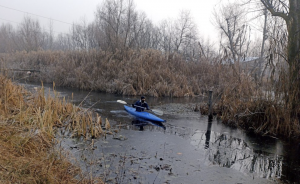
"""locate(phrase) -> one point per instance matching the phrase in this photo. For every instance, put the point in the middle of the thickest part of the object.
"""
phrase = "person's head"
(143, 99)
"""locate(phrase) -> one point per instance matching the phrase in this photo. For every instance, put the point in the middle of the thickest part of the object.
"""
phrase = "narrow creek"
(185, 149)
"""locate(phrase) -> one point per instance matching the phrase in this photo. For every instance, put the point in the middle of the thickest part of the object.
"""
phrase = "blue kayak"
(143, 115)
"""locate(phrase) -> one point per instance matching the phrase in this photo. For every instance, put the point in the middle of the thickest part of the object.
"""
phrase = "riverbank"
(28, 123)
(243, 100)
(185, 130)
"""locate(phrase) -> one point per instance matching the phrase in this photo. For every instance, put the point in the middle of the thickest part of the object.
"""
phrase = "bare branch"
(271, 8)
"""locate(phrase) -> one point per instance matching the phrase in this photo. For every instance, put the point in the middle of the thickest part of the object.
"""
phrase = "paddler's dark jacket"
(138, 106)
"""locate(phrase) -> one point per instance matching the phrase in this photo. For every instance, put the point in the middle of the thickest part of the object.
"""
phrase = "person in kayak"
(141, 105)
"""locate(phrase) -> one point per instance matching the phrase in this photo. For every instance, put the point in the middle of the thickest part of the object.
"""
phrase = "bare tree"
(120, 26)
(117, 27)
(92, 35)
(185, 31)
(50, 36)
(112, 22)
(179, 35)
(30, 34)
(288, 10)
(206, 49)
(144, 33)
(7, 38)
(166, 29)
(80, 35)
(230, 20)
(63, 42)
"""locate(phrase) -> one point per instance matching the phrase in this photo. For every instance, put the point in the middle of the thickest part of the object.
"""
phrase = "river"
(186, 149)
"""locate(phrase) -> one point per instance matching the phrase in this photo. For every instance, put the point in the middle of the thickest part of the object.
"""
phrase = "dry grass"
(244, 102)
(27, 127)
(147, 72)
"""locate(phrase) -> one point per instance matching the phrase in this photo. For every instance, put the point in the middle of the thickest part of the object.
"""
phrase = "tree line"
(117, 25)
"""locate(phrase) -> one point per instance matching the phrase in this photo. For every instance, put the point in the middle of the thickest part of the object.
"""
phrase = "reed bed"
(146, 72)
(246, 104)
(243, 100)
(28, 123)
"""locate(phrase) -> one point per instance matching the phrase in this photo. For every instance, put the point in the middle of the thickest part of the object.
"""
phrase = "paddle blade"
(158, 112)
(122, 102)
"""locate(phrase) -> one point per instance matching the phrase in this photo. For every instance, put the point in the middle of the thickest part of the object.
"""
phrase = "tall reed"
(27, 128)
(147, 72)
(245, 101)
(263, 109)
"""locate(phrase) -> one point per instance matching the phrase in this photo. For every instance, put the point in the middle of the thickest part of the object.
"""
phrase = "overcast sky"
(69, 11)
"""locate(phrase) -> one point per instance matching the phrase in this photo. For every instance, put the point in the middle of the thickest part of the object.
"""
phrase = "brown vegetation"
(123, 52)
(146, 72)
(27, 128)
(243, 101)
(245, 104)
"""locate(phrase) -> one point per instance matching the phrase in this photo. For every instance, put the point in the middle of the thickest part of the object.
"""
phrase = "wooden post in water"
(210, 116)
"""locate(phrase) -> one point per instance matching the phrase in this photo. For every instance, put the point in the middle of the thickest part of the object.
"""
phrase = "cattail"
(99, 122)
(92, 144)
(107, 125)
(100, 131)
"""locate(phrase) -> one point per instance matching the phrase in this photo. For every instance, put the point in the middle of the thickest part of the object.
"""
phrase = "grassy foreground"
(27, 144)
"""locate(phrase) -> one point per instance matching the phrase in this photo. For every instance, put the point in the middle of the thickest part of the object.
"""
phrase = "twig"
(4, 168)
(82, 112)
(250, 114)
(84, 98)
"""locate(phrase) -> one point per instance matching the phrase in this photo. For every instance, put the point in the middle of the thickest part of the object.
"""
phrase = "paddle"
(155, 111)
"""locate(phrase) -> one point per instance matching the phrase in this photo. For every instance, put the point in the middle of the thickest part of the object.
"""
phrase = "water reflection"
(234, 153)
(141, 123)
(207, 134)
(227, 151)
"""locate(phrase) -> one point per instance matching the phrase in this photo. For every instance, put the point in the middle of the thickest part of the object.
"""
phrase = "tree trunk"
(293, 26)
(261, 59)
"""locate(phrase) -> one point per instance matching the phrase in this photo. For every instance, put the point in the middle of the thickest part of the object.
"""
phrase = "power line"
(41, 32)
(72, 24)
(9, 21)
(36, 15)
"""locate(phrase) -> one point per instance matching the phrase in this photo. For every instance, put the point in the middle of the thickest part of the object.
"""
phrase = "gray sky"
(70, 11)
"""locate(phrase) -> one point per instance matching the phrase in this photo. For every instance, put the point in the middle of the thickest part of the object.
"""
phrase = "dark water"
(185, 149)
